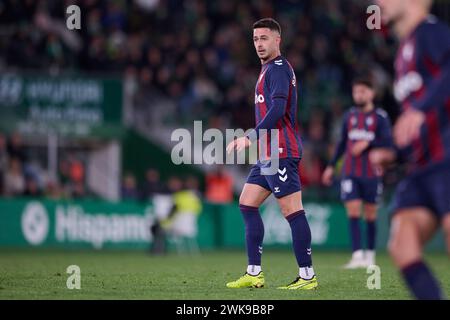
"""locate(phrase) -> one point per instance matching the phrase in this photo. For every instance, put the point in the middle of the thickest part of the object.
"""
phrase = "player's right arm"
(327, 177)
(279, 83)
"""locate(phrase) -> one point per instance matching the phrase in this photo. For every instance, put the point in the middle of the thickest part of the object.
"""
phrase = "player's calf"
(411, 228)
(446, 228)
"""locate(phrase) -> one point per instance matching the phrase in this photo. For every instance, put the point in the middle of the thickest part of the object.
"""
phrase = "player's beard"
(361, 105)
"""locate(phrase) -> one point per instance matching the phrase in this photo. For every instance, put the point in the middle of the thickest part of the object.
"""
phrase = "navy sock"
(421, 282)
(371, 234)
(254, 233)
(301, 238)
(355, 232)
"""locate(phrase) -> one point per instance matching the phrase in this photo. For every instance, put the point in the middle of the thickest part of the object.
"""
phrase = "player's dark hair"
(268, 23)
(365, 81)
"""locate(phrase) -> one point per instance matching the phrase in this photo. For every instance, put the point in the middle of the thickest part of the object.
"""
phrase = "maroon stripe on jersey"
(432, 68)
(372, 127)
(289, 128)
(282, 138)
(418, 153)
(447, 107)
(348, 157)
(359, 162)
(434, 137)
(263, 111)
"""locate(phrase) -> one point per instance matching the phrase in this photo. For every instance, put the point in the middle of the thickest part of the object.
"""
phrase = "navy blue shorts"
(428, 188)
(283, 183)
(366, 189)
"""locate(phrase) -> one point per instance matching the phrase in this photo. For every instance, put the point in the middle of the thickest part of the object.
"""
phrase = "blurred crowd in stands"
(22, 174)
(200, 54)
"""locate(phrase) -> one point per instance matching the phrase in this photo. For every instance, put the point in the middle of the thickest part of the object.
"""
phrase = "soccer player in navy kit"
(275, 108)
(422, 134)
(364, 128)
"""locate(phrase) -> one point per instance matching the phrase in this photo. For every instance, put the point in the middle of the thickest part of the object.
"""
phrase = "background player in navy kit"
(275, 108)
(422, 199)
(364, 128)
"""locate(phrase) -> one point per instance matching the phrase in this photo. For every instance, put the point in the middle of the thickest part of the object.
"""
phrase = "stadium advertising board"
(67, 105)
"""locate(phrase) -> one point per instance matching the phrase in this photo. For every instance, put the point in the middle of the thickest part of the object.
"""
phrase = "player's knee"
(370, 216)
(353, 213)
(243, 200)
(286, 210)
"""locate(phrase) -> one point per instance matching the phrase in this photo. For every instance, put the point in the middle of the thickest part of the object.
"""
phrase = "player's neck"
(368, 108)
(273, 56)
(409, 23)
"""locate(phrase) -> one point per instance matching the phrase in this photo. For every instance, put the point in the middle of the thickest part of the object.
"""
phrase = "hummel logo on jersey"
(282, 177)
(308, 251)
(277, 190)
(278, 62)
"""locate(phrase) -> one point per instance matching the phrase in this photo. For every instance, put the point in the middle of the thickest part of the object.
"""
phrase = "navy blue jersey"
(373, 126)
(423, 82)
(276, 107)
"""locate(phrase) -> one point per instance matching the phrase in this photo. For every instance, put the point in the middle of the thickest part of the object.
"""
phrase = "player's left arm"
(437, 57)
(279, 83)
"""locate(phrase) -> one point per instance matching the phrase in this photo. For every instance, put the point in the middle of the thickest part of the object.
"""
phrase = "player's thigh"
(411, 228)
(253, 195)
(370, 211)
(353, 208)
(371, 190)
(351, 191)
(290, 203)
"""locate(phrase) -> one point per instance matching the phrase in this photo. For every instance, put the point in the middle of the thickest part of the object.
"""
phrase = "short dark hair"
(365, 81)
(270, 23)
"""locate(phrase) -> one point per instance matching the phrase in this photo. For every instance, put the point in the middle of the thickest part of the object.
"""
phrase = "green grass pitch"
(41, 274)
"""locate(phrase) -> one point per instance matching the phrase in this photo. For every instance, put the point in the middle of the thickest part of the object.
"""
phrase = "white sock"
(370, 254)
(306, 272)
(358, 254)
(253, 270)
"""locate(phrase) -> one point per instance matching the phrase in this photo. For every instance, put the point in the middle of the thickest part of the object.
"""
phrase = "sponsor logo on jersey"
(359, 134)
(259, 98)
(406, 85)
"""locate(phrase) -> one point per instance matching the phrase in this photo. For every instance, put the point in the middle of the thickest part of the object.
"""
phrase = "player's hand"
(359, 147)
(381, 159)
(327, 176)
(407, 127)
(238, 144)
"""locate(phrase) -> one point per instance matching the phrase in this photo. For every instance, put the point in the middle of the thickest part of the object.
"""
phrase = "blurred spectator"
(53, 190)
(16, 149)
(76, 171)
(14, 180)
(129, 189)
(78, 190)
(3, 162)
(219, 187)
(152, 184)
(31, 187)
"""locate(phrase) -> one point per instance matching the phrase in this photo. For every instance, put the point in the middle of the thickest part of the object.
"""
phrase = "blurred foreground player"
(364, 128)
(422, 133)
(275, 108)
